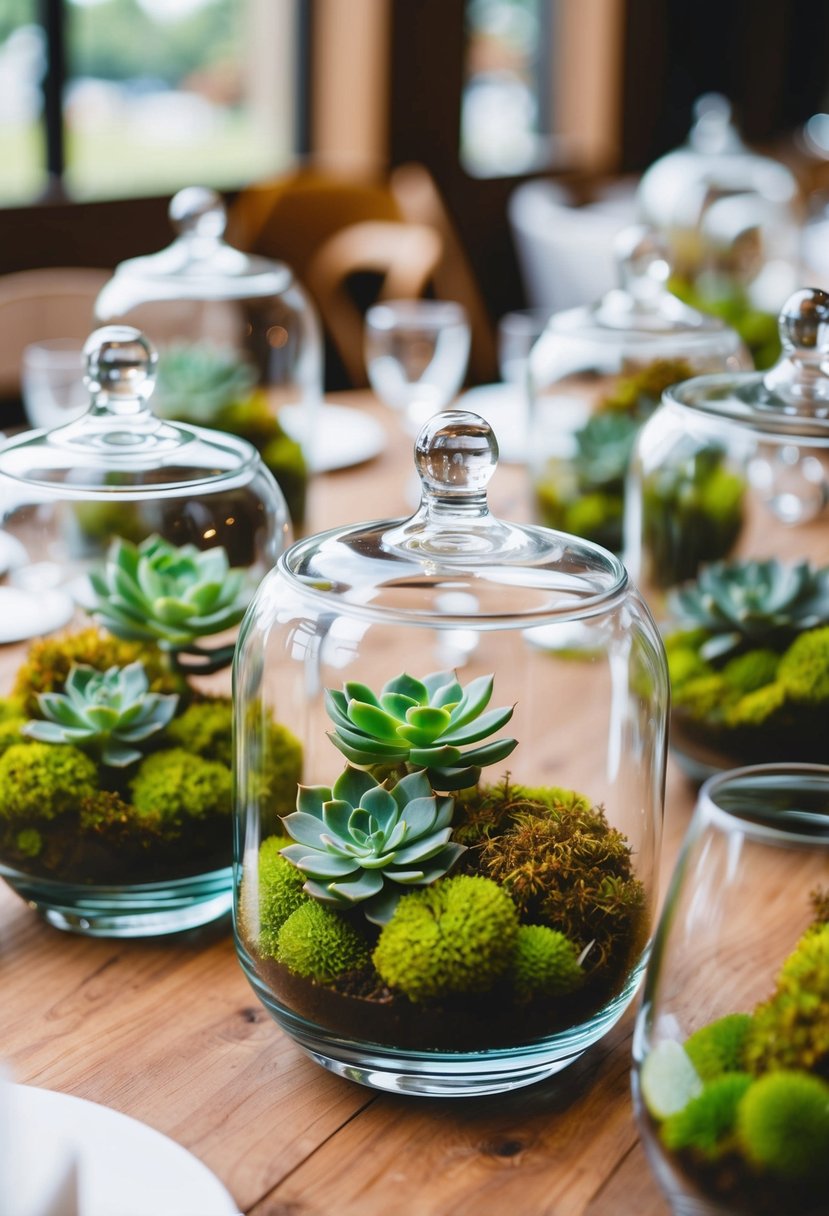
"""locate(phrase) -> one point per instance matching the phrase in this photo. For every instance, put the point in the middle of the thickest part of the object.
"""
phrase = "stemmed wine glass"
(416, 355)
(731, 1050)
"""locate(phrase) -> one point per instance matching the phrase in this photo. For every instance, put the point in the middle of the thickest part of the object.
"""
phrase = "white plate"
(125, 1168)
(341, 436)
(504, 407)
(29, 614)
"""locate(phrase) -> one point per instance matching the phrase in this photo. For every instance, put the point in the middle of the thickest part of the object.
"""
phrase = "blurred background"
(107, 107)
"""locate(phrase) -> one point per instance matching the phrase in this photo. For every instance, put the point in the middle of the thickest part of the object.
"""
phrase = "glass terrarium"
(461, 900)
(238, 338)
(731, 1049)
(726, 535)
(133, 548)
(731, 219)
(597, 373)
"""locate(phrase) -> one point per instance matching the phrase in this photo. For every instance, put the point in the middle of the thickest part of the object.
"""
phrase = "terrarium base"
(431, 1072)
(147, 910)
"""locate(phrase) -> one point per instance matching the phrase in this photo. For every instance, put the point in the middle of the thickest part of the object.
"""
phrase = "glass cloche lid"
(793, 395)
(199, 264)
(641, 313)
(453, 559)
(119, 444)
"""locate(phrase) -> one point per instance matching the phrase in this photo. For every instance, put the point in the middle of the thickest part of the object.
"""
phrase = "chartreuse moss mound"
(41, 781)
(706, 1124)
(719, 1047)
(783, 1124)
(279, 893)
(178, 785)
(791, 1029)
(457, 935)
(545, 963)
(319, 944)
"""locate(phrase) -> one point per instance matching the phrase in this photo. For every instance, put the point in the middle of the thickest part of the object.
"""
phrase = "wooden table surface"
(169, 1031)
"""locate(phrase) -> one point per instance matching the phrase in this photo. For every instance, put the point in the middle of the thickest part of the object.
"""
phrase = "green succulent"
(603, 449)
(196, 380)
(171, 595)
(752, 602)
(107, 711)
(420, 724)
(361, 843)
(456, 936)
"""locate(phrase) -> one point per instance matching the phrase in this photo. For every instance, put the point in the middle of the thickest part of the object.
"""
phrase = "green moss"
(719, 1046)
(43, 780)
(748, 672)
(49, 660)
(706, 697)
(280, 894)
(804, 668)
(561, 864)
(282, 769)
(791, 1029)
(640, 392)
(10, 729)
(320, 944)
(545, 963)
(706, 1124)
(28, 842)
(756, 708)
(176, 785)
(783, 1125)
(684, 665)
(205, 729)
(457, 935)
(253, 419)
(11, 708)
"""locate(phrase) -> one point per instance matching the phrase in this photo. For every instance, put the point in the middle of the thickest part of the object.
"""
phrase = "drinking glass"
(518, 331)
(52, 382)
(731, 1049)
(416, 355)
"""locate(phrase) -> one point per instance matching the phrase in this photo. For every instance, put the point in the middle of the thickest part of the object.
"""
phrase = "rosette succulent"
(196, 381)
(420, 724)
(172, 595)
(758, 603)
(362, 843)
(106, 711)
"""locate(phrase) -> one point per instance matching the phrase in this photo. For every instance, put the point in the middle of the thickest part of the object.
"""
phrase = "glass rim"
(755, 825)
(387, 313)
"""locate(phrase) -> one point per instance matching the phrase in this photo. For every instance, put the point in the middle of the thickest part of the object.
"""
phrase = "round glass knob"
(120, 363)
(456, 453)
(198, 211)
(643, 261)
(804, 321)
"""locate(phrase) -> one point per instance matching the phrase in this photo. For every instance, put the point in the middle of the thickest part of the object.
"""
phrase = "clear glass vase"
(731, 1049)
(462, 901)
(133, 546)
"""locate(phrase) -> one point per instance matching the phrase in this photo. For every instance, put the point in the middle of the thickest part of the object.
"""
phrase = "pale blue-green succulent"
(108, 712)
(754, 602)
(196, 381)
(360, 843)
(420, 724)
(172, 595)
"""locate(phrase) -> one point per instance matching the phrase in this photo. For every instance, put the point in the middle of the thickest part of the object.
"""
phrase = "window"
(505, 105)
(150, 95)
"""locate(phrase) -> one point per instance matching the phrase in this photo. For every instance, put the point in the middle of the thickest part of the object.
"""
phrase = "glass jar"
(726, 536)
(731, 1054)
(461, 902)
(140, 541)
(238, 337)
(597, 373)
(731, 219)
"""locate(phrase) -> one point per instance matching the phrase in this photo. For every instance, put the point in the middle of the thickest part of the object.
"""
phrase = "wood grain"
(170, 1032)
